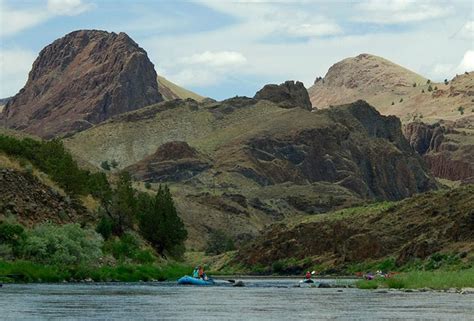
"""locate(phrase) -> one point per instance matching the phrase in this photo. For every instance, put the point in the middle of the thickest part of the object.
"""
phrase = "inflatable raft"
(188, 280)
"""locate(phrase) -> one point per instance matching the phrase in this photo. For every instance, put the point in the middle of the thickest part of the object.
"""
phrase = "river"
(265, 299)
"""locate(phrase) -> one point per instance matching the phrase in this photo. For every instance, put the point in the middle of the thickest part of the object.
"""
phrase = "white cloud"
(263, 18)
(206, 68)
(467, 31)
(68, 7)
(467, 62)
(14, 67)
(401, 11)
(15, 20)
(216, 59)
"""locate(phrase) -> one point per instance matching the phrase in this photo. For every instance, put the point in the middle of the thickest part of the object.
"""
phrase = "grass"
(25, 271)
(437, 280)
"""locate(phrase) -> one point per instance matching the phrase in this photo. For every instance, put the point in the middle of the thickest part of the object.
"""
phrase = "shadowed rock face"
(359, 150)
(286, 95)
(82, 79)
(445, 148)
(173, 161)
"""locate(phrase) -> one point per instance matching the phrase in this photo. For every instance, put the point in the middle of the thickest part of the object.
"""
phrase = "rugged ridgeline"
(393, 90)
(82, 79)
(415, 228)
(447, 147)
(239, 164)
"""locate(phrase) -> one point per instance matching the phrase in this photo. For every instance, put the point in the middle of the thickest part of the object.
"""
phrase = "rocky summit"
(82, 79)
(287, 95)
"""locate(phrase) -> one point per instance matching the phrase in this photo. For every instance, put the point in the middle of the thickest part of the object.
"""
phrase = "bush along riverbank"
(453, 281)
(27, 271)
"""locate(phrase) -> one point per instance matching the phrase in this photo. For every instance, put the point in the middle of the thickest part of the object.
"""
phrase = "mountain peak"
(81, 79)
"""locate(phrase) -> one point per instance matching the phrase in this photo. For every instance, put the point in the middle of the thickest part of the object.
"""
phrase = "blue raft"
(188, 280)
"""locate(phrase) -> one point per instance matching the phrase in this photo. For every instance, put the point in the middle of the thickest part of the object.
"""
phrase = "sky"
(221, 49)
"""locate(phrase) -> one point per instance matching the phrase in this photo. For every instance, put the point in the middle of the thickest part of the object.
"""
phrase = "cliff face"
(358, 149)
(82, 79)
(446, 148)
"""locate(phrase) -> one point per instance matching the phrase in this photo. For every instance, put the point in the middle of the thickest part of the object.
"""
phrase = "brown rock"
(173, 161)
(287, 95)
(82, 79)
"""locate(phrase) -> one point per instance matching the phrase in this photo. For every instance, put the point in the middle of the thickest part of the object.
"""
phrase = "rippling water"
(259, 300)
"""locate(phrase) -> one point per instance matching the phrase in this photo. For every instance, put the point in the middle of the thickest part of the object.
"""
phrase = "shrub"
(393, 103)
(436, 88)
(461, 110)
(105, 165)
(430, 88)
(148, 185)
(12, 236)
(124, 247)
(428, 81)
(446, 82)
(219, 242)
(63, 245)
(414, 84)
(422, 91)
(401, 100)
(105, 227)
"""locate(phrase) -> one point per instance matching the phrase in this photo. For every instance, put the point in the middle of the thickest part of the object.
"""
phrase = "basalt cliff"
(80, 80)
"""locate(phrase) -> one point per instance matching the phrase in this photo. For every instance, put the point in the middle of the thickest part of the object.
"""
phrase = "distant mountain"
(393, 90)
(171, 91)
(82, 79)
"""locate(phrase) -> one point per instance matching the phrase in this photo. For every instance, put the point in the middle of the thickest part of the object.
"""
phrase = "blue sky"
(225, 48)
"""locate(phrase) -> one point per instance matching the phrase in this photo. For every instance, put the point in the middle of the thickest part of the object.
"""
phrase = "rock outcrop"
(358, 149)
(446, 148)
(424, 137)
(286, 95)
(173, 161)
(82, 79)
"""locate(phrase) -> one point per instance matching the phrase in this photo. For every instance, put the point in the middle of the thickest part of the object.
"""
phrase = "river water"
(260, 300)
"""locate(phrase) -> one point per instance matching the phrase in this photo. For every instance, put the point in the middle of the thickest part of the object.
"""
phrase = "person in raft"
(196, 272)
(308, 275)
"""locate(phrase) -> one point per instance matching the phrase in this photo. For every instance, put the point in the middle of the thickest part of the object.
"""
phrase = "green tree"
(122, 205)
(160, 224)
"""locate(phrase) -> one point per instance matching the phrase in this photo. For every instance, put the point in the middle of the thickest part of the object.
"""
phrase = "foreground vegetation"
(27, 271)
(136, 237)
(436, 280)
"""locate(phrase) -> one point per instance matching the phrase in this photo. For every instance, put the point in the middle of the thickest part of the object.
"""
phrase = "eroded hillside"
(441, 221)
(247, 162)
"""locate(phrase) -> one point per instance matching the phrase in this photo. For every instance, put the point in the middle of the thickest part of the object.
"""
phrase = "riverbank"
(434, 280)
(26, 272)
